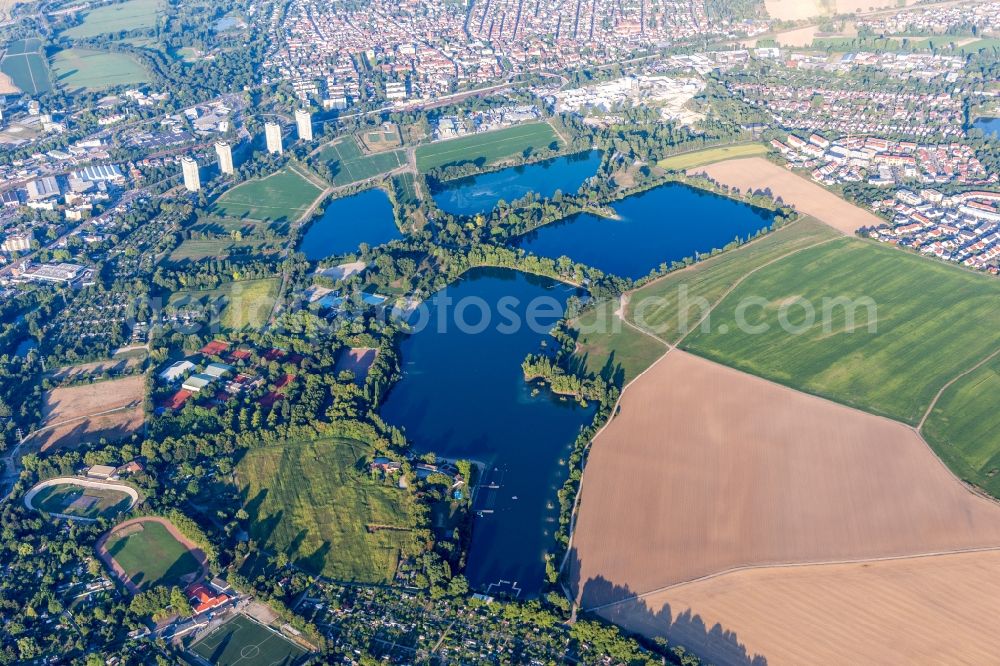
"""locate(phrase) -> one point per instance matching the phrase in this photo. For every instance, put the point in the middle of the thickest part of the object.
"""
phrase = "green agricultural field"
(24, 62)
(659, 307)
(932, 321)
(281, 197)
(243, 642)
(487, 147)
(349, 165)
(241, 304)
(315, 502)
(964, 427)
(151, 556)
(73, 500)
(87, 69)
(131, 15)
(608, 347)
(685, 161)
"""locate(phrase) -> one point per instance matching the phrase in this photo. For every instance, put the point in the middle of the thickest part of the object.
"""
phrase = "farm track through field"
(930, 407)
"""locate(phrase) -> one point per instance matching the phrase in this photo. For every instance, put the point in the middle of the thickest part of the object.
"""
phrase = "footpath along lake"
(480, 194)
(463, 395)
(658, 226)
(348, 222)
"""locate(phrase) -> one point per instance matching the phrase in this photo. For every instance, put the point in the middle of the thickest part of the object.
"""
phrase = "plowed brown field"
(75, 414)
(756, 173)
(707, 469)
(919, 610)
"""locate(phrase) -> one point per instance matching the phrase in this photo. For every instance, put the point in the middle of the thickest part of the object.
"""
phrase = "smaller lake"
(659, 226)
(348, 222)
(25, 346)
(480, 194)
(990, 126)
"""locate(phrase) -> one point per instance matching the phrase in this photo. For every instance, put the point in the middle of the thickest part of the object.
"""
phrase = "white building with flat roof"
(192, 180)
(225, 153)
(272, 134)
(303, 122)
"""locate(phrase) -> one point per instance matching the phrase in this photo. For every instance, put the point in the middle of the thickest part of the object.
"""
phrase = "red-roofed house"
(203, 599)
(214, 348)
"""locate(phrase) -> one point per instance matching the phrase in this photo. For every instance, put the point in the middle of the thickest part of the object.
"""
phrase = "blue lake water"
(480, 194)
(348, 222)
(989, 126)
(463, 395)
(659, 226)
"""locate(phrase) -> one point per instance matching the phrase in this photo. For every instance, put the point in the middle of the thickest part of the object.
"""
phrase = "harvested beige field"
(926, 610)
(7, 86)
(707, 469)
(72, 415)
(756, 173)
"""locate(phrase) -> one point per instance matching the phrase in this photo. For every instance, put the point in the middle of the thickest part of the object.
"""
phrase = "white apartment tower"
(191, 179)
(272, 133)
(225, 153)
(303, 121)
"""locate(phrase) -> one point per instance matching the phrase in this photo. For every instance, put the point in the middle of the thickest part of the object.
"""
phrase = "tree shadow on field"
(621, 605)
(316, 562)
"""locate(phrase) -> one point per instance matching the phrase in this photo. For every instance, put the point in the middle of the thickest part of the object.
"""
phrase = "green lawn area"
(243, 642)
(659, 307)
(406, 186)
(151, 556)
(933, 322)
(95, 70)
(610, 348)
(244, 303)
(698, 158)
(315, 502)
(964, 427)
(131, 15)
(283, 196)
(74, 500)
(350, 165)
(24, 62)
(487, 147)
(221, 248)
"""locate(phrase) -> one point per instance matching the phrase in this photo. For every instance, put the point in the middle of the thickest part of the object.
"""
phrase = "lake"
(661, 225)
(463, 395)
(348, 222)
(989, 126)
(480, 194)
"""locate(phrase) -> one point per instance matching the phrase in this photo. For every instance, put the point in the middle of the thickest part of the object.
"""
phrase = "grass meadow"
(88, 69)
(685, 161)
(316, 502)
(151, 556)
(192, 250)
(283, 196)
(608, 347)
(487, 147)
(964, 427)
(918, 346)
(131, 15)
(240, 304)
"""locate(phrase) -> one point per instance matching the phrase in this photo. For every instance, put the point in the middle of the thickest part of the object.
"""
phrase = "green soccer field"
(349, 165)
(243, 642)
(151, 556)
(487, 147)
(281, 197)
(310, 500)
(73, 500)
